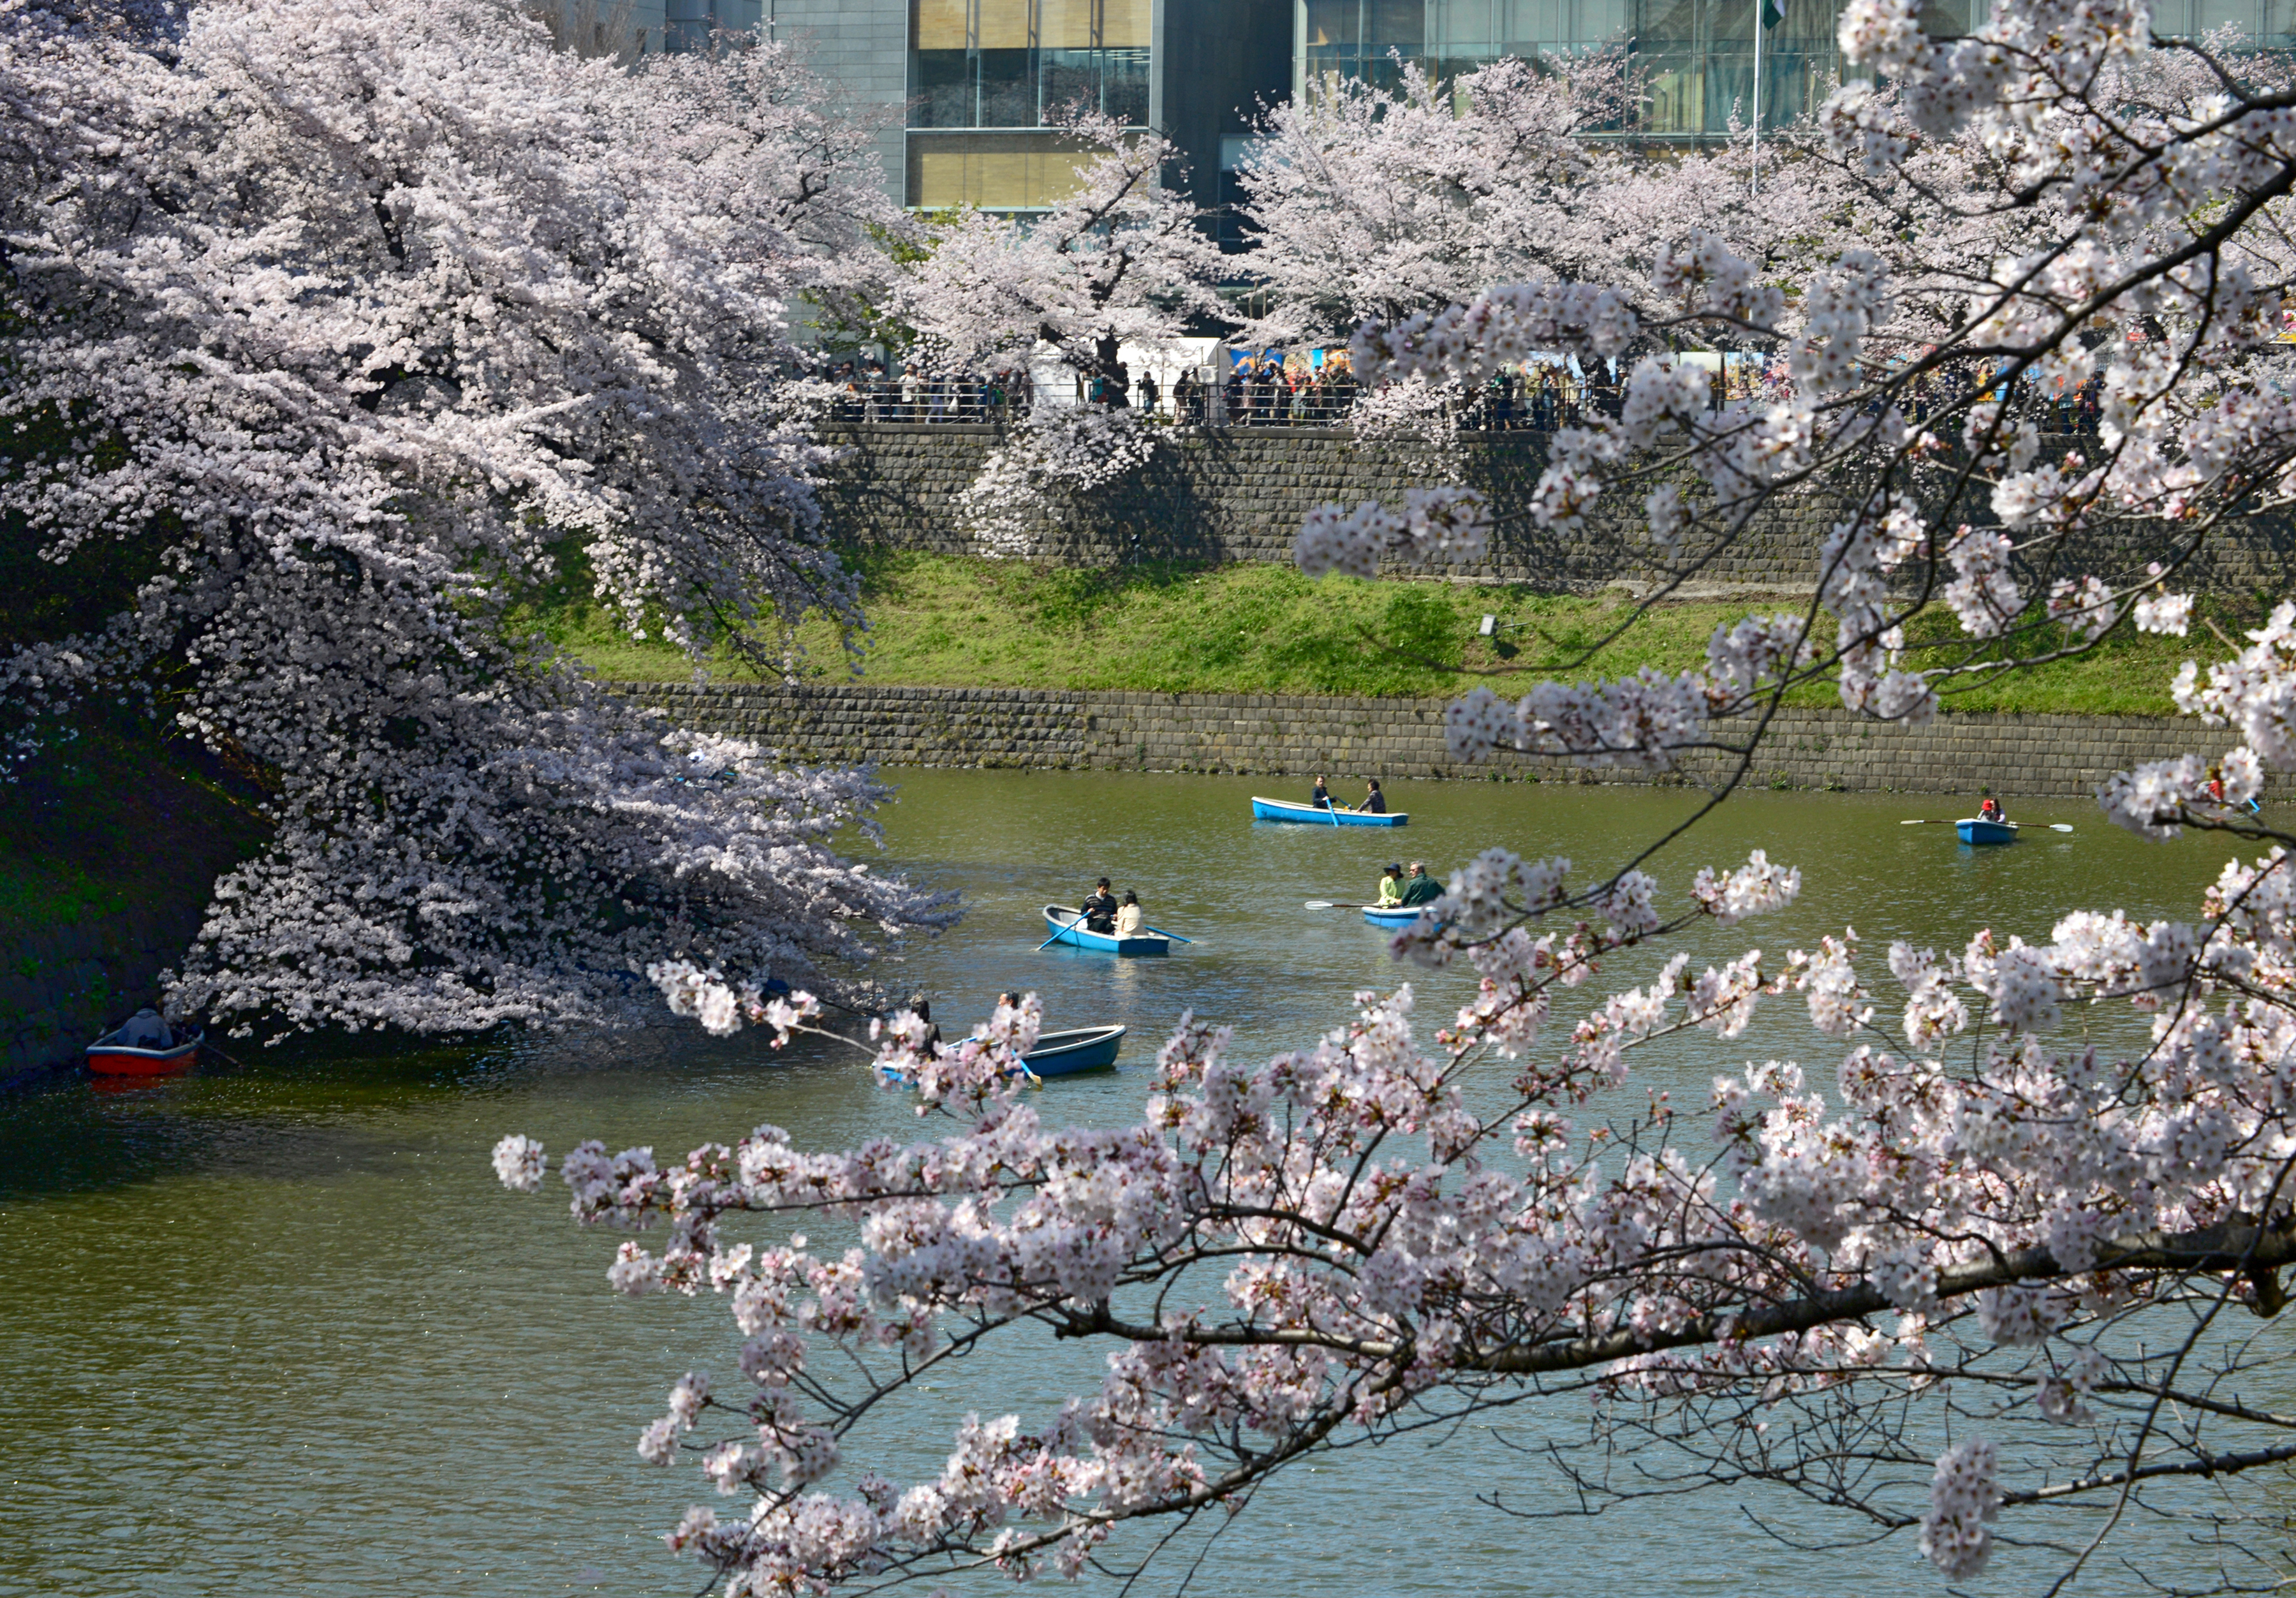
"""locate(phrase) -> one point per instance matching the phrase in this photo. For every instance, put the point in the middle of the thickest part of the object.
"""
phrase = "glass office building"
(1697, 56)
(694, 24)
(968, 86)
(986, 76)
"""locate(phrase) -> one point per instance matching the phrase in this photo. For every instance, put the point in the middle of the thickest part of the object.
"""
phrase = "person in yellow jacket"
(1390, 888)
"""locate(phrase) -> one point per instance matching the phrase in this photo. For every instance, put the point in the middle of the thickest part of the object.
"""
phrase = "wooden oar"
(1941, 821)
(212, 1049)
(1340, 904)
(1055, 938)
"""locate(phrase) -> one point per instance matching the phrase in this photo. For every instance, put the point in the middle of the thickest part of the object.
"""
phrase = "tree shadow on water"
(299, 1112)
(321, 1108)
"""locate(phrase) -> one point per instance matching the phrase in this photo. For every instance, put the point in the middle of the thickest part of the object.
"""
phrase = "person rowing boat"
(1100, 909)
(1321, 797)
(2216, 793)
(1422, 888)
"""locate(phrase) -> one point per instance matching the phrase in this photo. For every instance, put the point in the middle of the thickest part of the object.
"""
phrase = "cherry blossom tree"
(1369, 201)
(1121, 261)
(1970, 1279)
(364, 320)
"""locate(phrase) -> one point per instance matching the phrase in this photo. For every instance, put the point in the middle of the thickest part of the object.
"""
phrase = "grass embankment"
(111, 821)
(950, 622)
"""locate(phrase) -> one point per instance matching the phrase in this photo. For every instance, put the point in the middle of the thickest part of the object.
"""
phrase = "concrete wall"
(63, 986)
(1276, 734)
(1239, 495)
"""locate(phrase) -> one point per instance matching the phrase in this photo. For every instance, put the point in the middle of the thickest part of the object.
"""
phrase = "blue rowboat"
(1062, 919)
(1079, 1049)
(1975, 831)
(1311, 815)
(1403, 916)
(1056, 1054)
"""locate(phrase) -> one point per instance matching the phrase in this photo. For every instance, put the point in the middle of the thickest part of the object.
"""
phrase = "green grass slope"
(942, 620)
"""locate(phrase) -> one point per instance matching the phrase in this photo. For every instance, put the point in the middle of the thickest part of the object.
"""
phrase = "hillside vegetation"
(945, 621)
(113, 819)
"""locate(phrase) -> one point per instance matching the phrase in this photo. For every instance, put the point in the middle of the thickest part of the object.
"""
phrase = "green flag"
(1772, 14)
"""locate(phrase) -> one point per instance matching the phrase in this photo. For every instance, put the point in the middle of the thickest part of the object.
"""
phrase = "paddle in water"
(1057, 937)
(1943, 821)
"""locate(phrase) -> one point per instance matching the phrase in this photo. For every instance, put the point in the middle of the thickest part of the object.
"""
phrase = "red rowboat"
(112, 1058)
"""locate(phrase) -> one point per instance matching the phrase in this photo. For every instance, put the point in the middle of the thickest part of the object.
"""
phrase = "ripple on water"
(274, 1330)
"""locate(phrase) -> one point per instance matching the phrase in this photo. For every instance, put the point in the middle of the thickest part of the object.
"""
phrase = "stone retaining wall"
(1239, 494)
(1284, 735)
(65, 985)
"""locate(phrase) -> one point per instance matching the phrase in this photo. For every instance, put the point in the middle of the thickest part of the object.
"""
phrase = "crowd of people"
(2054, 405)
(1297, 390)
(1539, 395)
(872, 391)
(1273, 390)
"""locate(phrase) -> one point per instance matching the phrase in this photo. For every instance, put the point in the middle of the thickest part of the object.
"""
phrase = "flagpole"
(1758, 97)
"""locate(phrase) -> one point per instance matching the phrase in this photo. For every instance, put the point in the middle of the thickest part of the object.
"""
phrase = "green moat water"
(276, 1330)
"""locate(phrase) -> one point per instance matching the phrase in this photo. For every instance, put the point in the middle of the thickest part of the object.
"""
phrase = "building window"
(2270, 24)
(990, 171)
(692, 25)
(1697, 56)
(1019, 63)
(1362, 38)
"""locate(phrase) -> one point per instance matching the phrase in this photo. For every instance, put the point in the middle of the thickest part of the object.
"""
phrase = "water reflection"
(273, 1329)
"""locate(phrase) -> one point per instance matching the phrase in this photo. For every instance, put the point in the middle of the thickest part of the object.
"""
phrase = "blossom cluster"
(1053, 456)
(1433, 524)
(368, 322)
(1649, 719)
(1374, 1251)
(1117, 263)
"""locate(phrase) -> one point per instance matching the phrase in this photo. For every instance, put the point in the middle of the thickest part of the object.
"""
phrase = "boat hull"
(1060, 918)
(107, 1057)
(1401, 917)
(1975, 831)
(1080, 1049)
(1309, 815)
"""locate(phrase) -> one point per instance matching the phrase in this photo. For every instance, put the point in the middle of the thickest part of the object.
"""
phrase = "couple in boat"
(1398, 892)
(1374, 801)
(1102, 914)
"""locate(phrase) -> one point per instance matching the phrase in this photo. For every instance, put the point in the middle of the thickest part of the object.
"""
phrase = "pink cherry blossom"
(388, 318)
